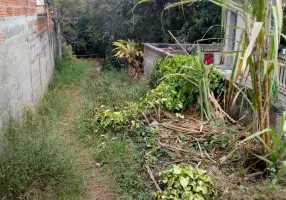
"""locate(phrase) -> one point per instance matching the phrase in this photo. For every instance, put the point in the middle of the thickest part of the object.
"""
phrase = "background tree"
(106, 21)
(66, 14)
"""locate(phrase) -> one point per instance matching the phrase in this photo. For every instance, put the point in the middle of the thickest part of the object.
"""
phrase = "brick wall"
(26, 56)
(9, 8)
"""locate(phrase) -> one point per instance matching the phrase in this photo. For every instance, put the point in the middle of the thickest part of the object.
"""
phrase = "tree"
(106, 21)
(65, 18)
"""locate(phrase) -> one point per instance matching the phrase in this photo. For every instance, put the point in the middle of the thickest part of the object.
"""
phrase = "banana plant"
(257, 54)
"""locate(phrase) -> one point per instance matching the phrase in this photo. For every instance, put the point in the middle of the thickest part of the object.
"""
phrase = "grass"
(115, 88)
(123, 160)
(34, 162)
(120, 156)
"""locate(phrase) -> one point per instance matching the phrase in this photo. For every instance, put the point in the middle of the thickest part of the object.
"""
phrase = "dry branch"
(152, 177)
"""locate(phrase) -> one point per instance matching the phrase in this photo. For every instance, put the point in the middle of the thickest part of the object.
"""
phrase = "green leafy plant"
(131, 53)
(276, 151)
(156, 76)
(216, 81)
(126, 119)
(221, 140)
(257, 52)
(186, 182)
(183, 81)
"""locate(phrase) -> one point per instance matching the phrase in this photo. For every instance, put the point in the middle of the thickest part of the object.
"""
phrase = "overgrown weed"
(119, 155)
(115, 88)
(70, 72)
(34, 161)
(123, 160)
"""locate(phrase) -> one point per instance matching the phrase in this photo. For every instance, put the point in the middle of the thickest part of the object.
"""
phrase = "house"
(231, 43)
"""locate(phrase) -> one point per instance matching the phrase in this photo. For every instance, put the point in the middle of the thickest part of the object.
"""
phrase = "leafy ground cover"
(107, 99)
(140, 151)
(136, 145)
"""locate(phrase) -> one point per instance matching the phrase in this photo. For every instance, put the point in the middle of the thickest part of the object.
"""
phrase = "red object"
(208, 59)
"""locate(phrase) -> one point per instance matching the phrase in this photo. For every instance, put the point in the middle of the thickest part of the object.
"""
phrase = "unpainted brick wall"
(26, 56)
(10, 8)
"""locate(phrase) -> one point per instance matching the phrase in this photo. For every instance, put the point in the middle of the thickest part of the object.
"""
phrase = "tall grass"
(35, 163)
(123, 161)
(114, 88)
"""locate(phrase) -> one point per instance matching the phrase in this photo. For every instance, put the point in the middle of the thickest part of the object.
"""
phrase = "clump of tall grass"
(35, 163)
(123, 160)
(69, 72)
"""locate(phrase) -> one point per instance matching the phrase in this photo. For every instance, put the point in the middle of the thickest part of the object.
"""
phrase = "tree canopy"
(91, 26)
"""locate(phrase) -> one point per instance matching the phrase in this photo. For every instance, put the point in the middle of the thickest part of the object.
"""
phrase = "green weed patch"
(34, 161)
(106, 124)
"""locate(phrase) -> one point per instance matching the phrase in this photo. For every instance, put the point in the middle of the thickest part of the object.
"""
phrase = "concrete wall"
(152, 51)
(26, 56)
(232, 35)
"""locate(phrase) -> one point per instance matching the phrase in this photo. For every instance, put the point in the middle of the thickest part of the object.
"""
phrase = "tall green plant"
(275, 157)
(185, 81)
(258, 51)
(130, 52)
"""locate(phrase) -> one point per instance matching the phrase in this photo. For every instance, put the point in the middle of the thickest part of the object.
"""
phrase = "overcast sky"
(40, 2)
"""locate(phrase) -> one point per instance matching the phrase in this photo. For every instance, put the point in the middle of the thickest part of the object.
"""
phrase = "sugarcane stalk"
(259, 100)
(266, 106)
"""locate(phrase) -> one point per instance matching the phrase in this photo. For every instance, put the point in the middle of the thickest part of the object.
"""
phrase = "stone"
(154, 124)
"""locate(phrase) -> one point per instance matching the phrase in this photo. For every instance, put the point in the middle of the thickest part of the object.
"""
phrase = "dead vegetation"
(215, 148)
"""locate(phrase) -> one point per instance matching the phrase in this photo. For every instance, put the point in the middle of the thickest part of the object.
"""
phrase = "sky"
(40, 2)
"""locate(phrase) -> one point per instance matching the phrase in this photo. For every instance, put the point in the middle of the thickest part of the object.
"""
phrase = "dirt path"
(97, 189)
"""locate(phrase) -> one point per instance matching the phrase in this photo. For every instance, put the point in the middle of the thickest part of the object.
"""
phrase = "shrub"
(130, 52)
(156, 76)
(67, 51)
(216, 81)
(125, 119)
(186, 182)
(178, 83)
